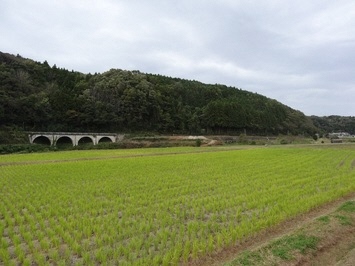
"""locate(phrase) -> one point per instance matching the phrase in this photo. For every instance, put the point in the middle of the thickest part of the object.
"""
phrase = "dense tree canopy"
(35, 96)
(334, 123)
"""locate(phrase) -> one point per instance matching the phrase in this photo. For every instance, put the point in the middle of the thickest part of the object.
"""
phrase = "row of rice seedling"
(160, 209)
(96, 154)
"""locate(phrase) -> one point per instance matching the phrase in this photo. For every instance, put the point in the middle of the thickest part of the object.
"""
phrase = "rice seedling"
(5, 256)
(155, 209)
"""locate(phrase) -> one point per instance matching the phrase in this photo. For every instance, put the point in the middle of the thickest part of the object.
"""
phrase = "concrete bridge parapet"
(74, 138)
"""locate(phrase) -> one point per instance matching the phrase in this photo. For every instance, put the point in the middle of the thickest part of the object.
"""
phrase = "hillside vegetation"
(35, 96)
(335, 123)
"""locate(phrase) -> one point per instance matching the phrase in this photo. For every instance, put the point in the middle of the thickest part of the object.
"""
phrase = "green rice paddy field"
(158, 206)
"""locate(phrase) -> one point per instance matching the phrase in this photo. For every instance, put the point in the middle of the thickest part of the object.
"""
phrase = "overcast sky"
(301, 53)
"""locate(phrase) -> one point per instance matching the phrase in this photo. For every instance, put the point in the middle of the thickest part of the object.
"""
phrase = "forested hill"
(35, 96)
(335, 123)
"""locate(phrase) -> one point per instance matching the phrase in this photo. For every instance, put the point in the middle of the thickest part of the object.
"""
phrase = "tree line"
(334, 124)
(37, 97)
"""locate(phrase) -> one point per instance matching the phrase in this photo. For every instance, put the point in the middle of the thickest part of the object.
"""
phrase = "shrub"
(23, 148)
(284, 141)
(198, 142)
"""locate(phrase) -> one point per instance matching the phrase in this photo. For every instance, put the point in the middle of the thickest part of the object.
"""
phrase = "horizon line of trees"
(37, 97)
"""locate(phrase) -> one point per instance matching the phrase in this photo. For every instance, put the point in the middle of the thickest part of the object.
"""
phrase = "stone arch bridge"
(75, 139)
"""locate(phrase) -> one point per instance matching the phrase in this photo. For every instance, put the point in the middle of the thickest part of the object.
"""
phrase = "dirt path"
(337, 244)
(337, 240)
(348, 260)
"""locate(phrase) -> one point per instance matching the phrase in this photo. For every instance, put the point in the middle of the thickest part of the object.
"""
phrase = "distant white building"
(339, 135)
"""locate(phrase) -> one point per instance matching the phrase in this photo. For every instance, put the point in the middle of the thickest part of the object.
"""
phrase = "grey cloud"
(300, 53)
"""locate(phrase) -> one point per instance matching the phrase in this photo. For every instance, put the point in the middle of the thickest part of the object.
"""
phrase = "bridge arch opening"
(85, 140)
(105, 140)
(64, 141)
(43, 140)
